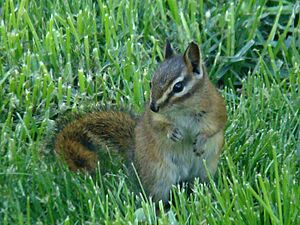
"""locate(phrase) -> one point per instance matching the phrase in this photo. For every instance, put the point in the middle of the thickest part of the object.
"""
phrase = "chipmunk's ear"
(168, 50)
(192, 59)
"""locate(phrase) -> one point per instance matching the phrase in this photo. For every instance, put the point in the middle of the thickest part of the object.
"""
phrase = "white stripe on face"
(164, 97)
(186, 88)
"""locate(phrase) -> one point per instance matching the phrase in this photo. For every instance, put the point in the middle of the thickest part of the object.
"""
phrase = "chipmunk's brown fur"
(79, 140)
(182, 127)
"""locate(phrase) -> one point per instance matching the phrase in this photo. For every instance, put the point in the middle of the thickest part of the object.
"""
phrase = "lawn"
(71, 55)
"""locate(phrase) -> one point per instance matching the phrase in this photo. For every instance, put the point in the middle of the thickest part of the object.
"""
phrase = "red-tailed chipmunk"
(182, 126)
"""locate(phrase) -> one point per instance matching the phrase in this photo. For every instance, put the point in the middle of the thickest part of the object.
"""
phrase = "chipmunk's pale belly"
(179, 162)
(188, 124)
(181, 158)
(184, 166)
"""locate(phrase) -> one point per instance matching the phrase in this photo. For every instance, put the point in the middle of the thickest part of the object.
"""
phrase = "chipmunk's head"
(176, 78)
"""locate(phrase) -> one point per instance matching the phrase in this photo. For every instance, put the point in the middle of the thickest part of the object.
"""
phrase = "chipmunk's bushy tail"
(78, 141)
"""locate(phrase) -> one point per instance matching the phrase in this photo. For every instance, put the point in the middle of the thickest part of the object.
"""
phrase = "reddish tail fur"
(78, 142)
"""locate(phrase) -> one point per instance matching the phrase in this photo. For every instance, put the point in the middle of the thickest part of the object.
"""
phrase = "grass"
(58, 55)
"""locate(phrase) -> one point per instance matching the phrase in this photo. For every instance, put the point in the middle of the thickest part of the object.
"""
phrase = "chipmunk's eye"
(178, 87)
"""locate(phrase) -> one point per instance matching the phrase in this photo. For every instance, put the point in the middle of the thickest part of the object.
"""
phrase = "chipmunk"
(182, 126)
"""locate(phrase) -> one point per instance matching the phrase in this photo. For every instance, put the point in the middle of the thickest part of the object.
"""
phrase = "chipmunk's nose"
(154, 107)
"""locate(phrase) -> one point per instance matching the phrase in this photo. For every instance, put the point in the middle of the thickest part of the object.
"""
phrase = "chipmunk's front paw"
(175, 134)
(198, 145)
